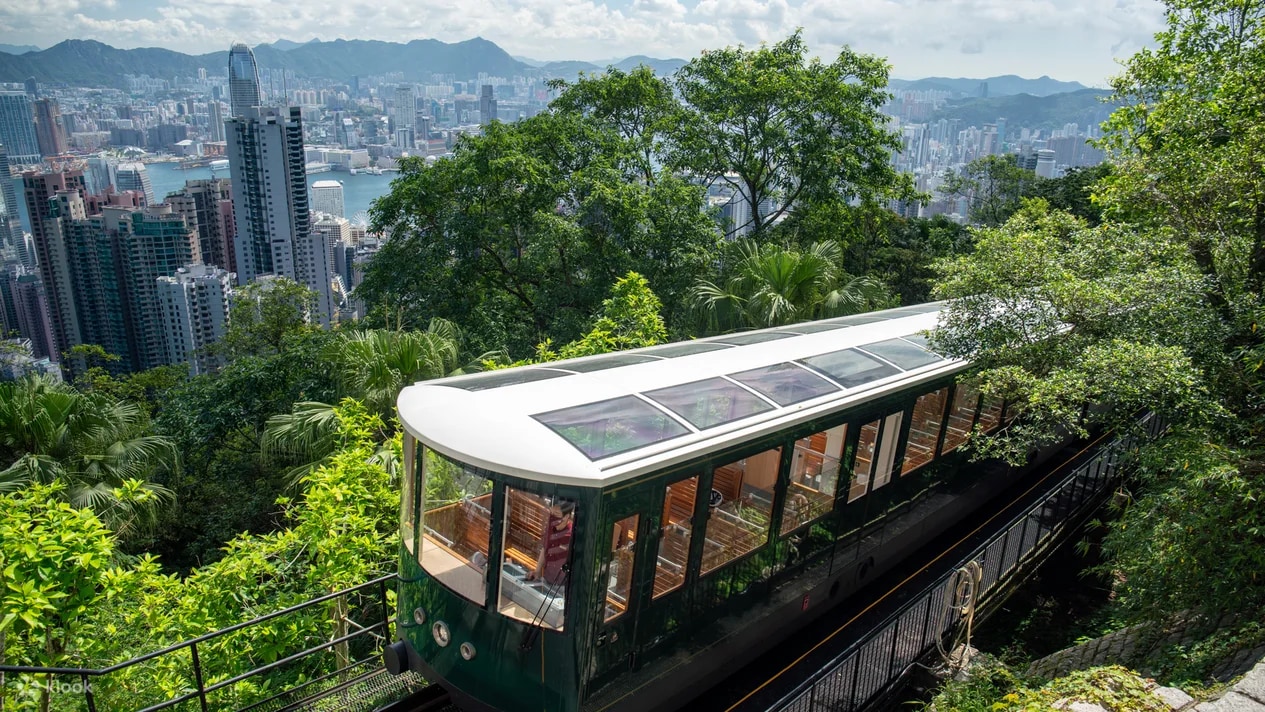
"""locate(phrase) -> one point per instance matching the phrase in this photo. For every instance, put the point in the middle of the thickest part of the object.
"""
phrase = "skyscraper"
(327, 197)
(158, 244)
(134, 176)
(50, 135)
(487, 105)
(193, 306)
(17, 127)
(39, 189)
(405, 112)
(270, 203)
(10, 221)
(215, 121)
(243, 80)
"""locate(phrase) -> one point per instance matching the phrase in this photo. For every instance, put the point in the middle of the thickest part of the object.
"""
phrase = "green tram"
(620, 531)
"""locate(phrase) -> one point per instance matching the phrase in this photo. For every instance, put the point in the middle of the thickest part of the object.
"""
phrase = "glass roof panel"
(687, 348)
(709, 402)
(919, 340)
(857, 320)
(612, 426)
(814, 327)
(604, 362)
(785, 383)
(850, 367)
(902, 353)
(758, 337)
(508, 377)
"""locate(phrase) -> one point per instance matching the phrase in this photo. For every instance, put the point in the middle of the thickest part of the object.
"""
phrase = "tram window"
(961, 417)
(863, 463)
(710, 402)
(408, 494)
(814, 477)
(924, 430)
(674, 541)
(536, 563)
(456, 525)
(740, 507)
(885, 459)
(619, 577)
(990, 414)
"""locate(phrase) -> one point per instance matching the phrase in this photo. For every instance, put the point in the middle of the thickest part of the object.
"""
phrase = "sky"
(1076, 40)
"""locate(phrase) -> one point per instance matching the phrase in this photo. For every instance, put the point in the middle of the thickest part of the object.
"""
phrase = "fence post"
(87, 692)
(197, 675)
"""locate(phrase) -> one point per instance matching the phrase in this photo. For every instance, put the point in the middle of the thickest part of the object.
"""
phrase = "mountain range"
(1087, 107)
(92, 63)
(18, 49)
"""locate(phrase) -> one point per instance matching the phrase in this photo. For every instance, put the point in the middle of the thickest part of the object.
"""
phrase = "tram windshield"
(456, 524)
(536, 563)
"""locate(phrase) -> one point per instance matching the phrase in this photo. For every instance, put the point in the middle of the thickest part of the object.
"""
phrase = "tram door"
(623, 541)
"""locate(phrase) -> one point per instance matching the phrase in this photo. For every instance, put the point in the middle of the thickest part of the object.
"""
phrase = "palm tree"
(94, 445)
(374, 366)
(770, 285)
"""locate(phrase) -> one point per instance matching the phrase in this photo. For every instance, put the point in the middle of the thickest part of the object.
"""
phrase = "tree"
(630, 319)
(518, 235)
(769, 285)
(786, 132)
(264, 314)
(53, 557)
(99, 449)
(638, 106)
(993, 186)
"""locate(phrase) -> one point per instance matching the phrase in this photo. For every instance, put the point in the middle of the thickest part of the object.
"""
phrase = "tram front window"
(456, 525)
(536, 565)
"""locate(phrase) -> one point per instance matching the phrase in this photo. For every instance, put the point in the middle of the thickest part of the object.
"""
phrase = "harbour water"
(359, 191)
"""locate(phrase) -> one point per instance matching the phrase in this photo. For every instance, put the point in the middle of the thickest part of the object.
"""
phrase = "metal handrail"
(201, 688)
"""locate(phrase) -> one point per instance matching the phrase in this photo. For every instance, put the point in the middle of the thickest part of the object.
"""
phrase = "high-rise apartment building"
(207, 207)
(215, 121)
(134, 176)
(487, 105)
(17, 127)
(50, 135)
(158, 244)
(270, 203)
(243, 80)
(38, 190)
(193, 305)
(24, 293)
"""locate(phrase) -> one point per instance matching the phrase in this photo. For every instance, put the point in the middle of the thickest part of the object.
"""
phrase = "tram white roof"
(600, 420)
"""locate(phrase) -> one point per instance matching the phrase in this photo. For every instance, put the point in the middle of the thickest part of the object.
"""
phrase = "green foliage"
(1191, 666)
(264, 315)
(1086, 107)
(991, 687)
(342, 532)
(52, 559)
(994, 185)
(98, 448)
(768, 285)
(778, 126)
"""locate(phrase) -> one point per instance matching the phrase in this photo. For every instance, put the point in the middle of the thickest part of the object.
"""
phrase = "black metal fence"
(871, 666)
(342, 652)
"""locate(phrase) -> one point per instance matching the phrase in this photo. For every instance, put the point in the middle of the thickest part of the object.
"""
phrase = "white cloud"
(1069, 39)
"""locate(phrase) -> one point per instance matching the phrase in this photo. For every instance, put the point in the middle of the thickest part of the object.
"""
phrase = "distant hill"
(662, 67)
(18, 49)
(570, 68)
(1084, 107)
(91, 63)
(1006, 85)
(287, 45)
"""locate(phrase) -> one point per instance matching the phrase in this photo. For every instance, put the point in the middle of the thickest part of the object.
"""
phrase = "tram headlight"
(419, 616)
(440, 631)
(467, 651)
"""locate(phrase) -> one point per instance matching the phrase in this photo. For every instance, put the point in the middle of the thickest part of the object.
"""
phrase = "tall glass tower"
(243, 80)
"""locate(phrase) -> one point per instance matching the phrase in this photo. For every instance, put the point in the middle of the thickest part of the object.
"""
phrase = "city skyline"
(971, 38)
